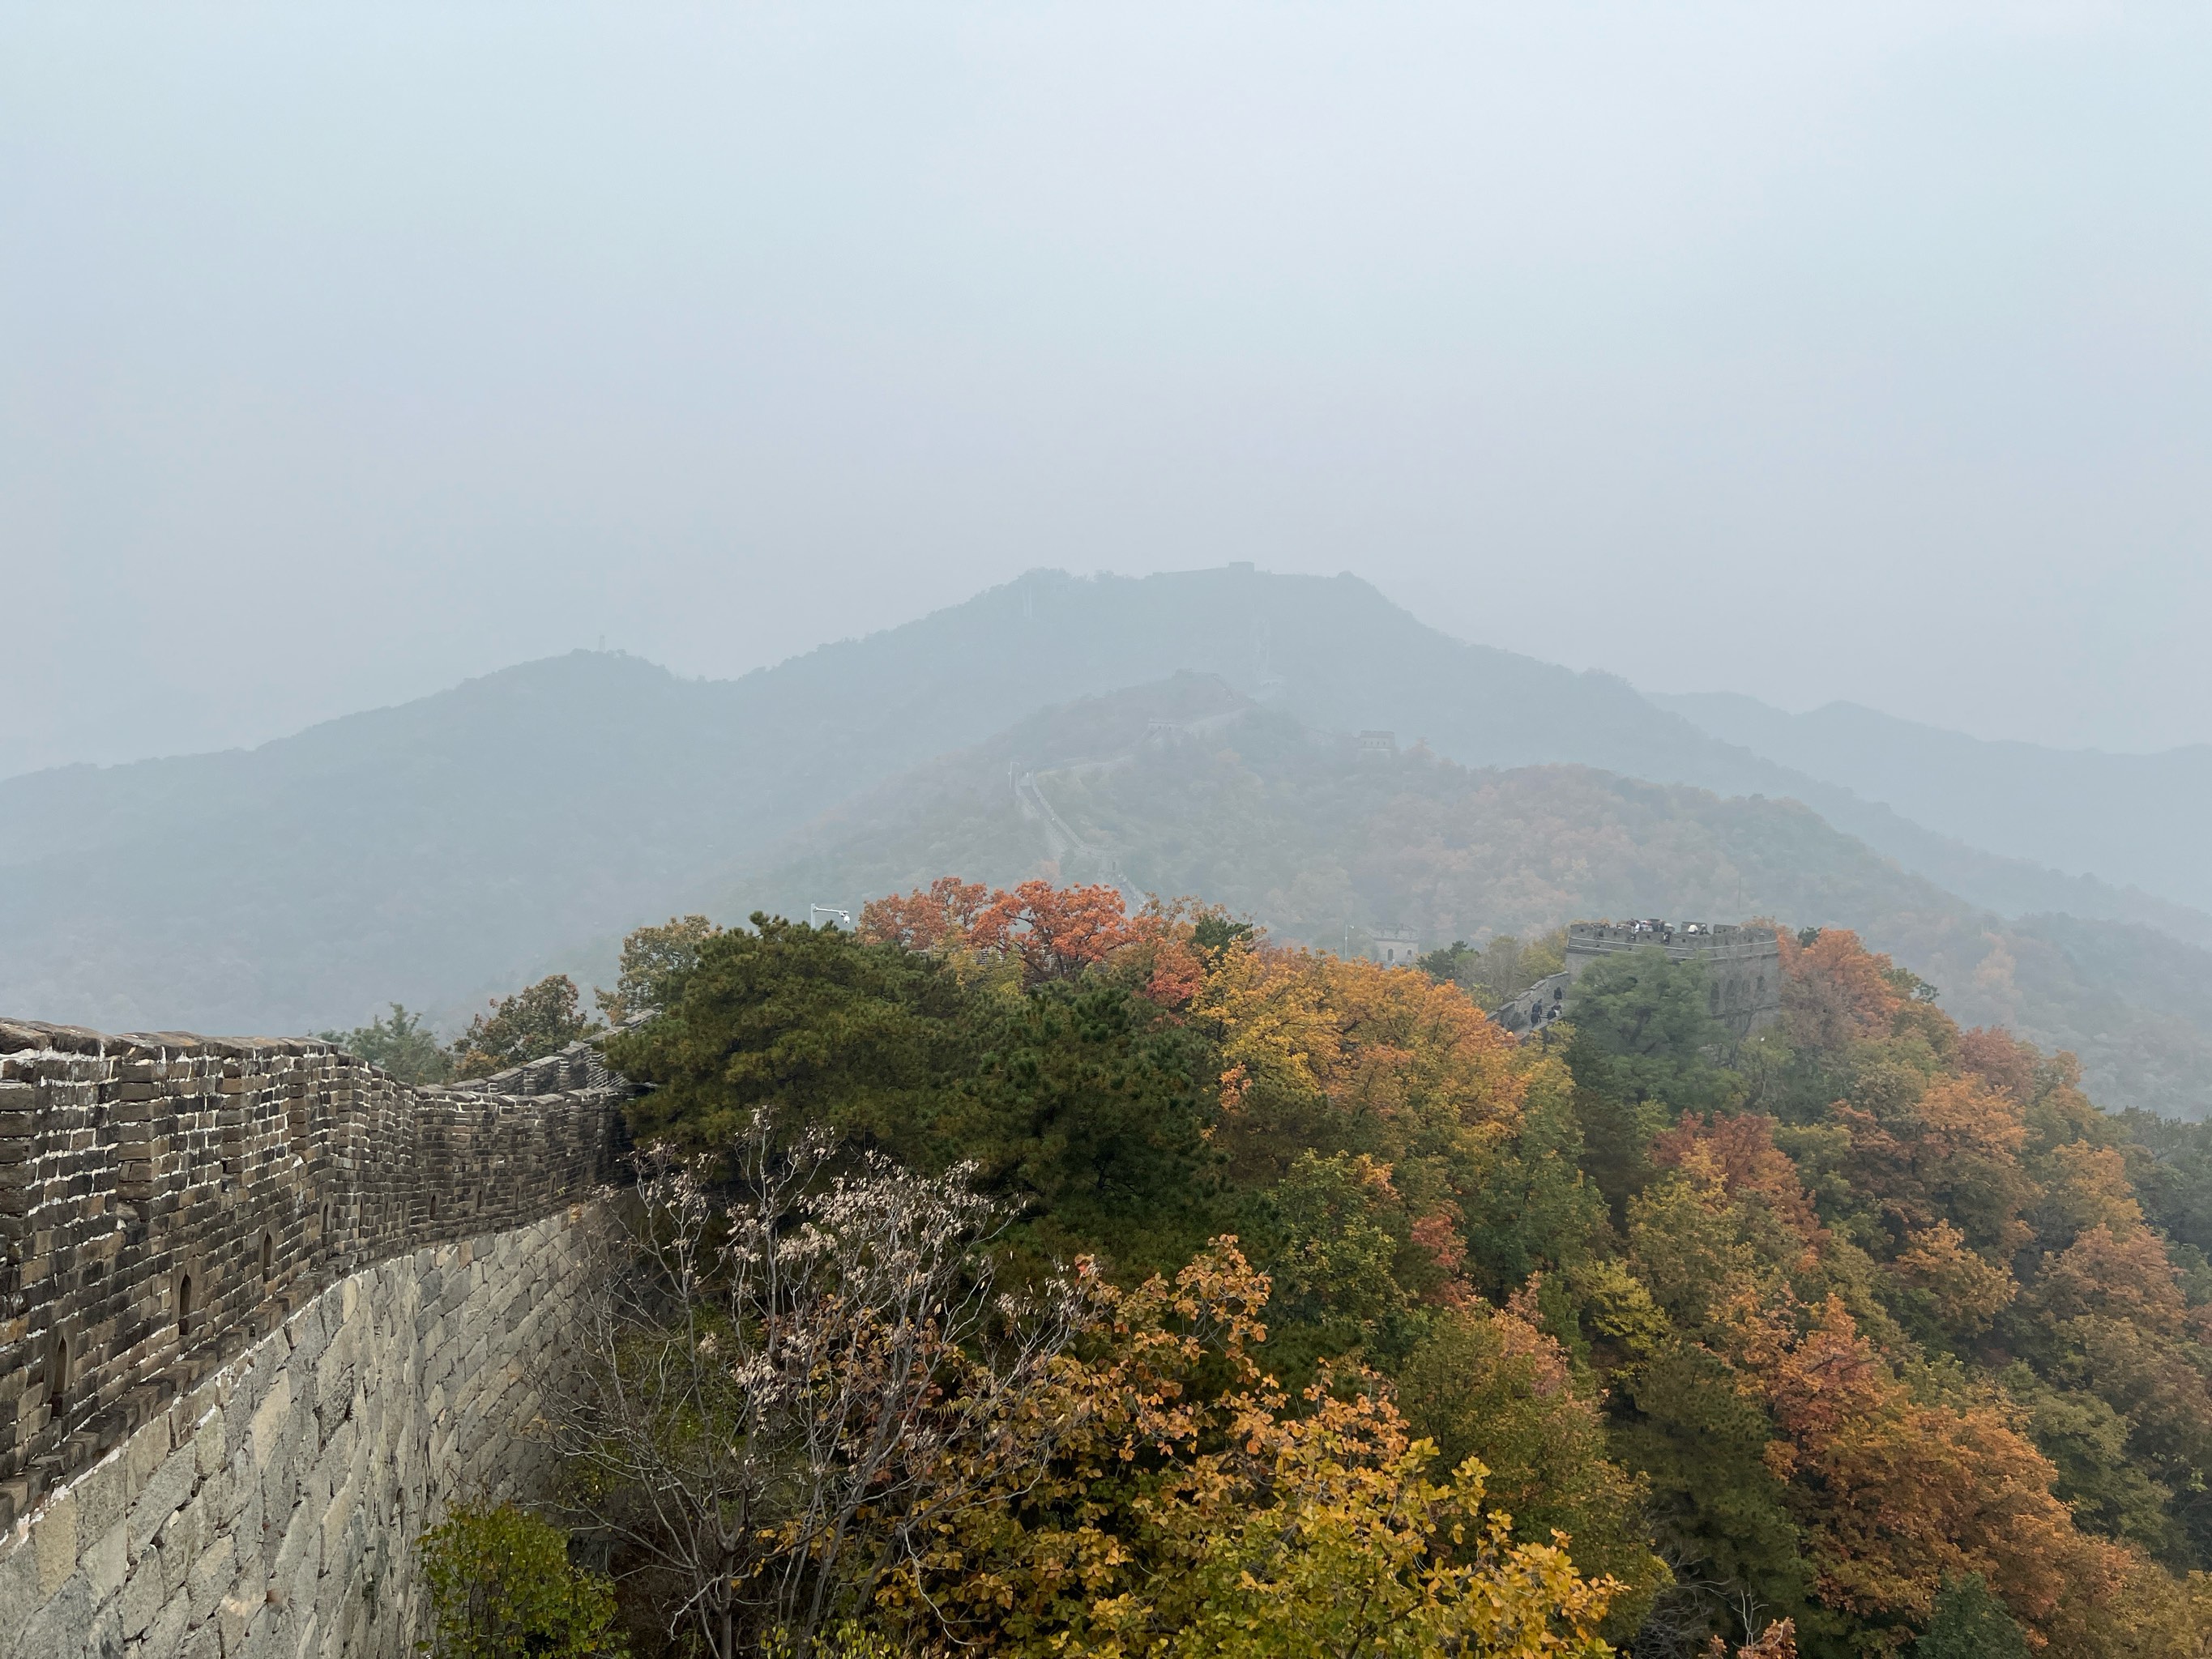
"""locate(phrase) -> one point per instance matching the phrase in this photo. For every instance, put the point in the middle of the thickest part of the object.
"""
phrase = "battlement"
(1680, 941)
(166, 1200)
(1742, 966)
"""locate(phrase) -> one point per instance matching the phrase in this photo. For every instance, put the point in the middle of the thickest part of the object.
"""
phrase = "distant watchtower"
(1396, 947)
(1377, 745)
(1743, 970)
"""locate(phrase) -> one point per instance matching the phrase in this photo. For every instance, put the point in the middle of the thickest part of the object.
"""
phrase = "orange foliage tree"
(1900, 1494)
(1054, 933)
(1051, 932)
(939, 917)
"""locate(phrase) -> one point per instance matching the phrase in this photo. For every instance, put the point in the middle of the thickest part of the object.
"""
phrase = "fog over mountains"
(456, 846)
(2133, 819)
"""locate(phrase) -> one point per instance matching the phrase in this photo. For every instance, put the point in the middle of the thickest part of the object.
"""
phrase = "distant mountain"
(450, 847)
(2132, 820)
(1187, 788)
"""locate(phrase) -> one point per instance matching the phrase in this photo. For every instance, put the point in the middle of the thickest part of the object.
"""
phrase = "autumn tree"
(1903, 1491)
(1049, 934)
(1493, 1385)
(655, 964)
(1825, 1320)
(1053, 932)
(1190, 1513)
(1834, 991)
(541, 1019)
(940, 917)
(802, 1402)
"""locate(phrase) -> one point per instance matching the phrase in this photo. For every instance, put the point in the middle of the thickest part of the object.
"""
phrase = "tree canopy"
(539, 1020)
(1798, 1343)
(398, 1042)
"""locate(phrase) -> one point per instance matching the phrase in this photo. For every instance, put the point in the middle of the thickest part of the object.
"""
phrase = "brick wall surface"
(270, 1510)
(167, 1201)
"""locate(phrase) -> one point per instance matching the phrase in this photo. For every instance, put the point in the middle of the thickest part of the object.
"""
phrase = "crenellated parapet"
(166, 1200)
(1742, 968)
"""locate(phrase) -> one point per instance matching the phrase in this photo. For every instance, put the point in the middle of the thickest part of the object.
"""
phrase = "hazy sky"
(1854, 351)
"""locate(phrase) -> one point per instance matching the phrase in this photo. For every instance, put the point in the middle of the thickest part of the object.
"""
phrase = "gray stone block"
(212, 1577)
(310, 1336)
(247, 1526)
(208, 1451)
(176, 1551)
(168, 1491)
(105, 1640)
(271, 1634)
(102, 1497)
(164, 1638)
(20, 1595)
(59, 1627)
(234, 1622)
(55, 1539)
(144, 1454)
(143, 1595)
(299, 1589)
(106, 1561)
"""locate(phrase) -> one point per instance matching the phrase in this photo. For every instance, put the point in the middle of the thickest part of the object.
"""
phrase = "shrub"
(503, 1587)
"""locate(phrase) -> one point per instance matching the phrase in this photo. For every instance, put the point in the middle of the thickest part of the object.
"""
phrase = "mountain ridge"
(439, 849)
(1323, 842)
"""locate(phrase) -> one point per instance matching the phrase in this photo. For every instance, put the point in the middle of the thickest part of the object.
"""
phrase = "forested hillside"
(1186, 788)
(526, 820)
(1865, 1332)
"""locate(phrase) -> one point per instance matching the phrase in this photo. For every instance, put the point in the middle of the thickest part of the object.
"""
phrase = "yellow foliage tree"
(1322, 1054)
(1176, 1508)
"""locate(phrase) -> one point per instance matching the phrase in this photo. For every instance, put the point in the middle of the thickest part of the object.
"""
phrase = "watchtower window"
(185, 1305)
(268, 1257)
(57, 1377)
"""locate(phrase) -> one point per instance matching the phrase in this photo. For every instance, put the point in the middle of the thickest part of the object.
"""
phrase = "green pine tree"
(1971, 1623)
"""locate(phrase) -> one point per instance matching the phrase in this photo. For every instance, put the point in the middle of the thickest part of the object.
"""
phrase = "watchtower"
(1743, 969)
(1396, 947)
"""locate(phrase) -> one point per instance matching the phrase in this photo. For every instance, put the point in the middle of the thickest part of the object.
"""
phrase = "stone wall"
(1536, 1008)
(271, 1509)
(167, 1201)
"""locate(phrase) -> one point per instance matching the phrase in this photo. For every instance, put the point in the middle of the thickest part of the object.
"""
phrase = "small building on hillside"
(1377, 745)
(1396, 947)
